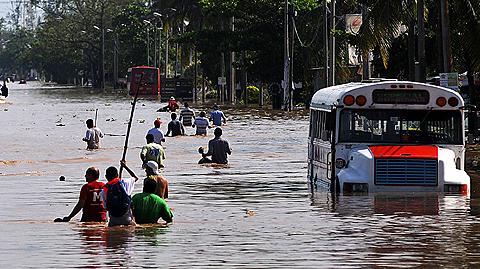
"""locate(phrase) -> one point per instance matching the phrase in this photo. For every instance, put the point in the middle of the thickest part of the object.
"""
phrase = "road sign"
(222, 81)
(449, 80)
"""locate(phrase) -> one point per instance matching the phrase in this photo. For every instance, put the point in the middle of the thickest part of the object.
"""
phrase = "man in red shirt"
(90, 199)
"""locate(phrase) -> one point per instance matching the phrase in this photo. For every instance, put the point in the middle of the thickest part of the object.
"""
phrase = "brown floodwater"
(256, 212)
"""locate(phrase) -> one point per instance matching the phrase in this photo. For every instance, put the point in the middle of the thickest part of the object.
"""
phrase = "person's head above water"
(92, 174)
(157, 123)
(172, 98)
(151, 168)
(173, 115)
(111, 173)
(186, 104)
(216, 107)
(218, 132)
(89, 123)
(149, 138)
(202, 114)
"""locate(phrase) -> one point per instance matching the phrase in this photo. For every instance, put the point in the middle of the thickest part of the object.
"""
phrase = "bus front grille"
(406, 172)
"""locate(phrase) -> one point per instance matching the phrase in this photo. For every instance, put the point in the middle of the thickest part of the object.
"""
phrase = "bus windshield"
(401, 126)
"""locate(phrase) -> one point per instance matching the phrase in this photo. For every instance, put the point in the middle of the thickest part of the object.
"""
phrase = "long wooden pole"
(96, 114)
(125, 147)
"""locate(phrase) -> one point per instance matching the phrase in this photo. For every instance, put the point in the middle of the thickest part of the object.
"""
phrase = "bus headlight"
(340, 163)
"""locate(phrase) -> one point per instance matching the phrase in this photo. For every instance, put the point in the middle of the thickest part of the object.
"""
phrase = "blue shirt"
(216, 116)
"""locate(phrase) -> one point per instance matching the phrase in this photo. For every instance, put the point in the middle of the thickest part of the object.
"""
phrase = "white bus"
(387, 136)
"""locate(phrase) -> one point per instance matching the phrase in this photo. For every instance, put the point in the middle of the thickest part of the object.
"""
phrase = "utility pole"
(195, 75)
(286, 59)
(148, 46)
(290, 73)
(421, 40)
(231, 69)
(160, 49)
(446, 65)
(115, 60)
(332, 46)
(365, 54)
(166, 52)
(103, 56)
(325, 29)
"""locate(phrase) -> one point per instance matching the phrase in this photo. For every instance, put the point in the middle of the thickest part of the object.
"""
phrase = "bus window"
(399, 126)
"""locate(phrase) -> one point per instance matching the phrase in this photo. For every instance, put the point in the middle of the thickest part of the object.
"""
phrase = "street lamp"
(148, 41)
(103, 54)
(166, 40)
(115, 57)
(159, 16)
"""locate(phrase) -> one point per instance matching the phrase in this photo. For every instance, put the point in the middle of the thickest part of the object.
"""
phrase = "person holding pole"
(92, 136)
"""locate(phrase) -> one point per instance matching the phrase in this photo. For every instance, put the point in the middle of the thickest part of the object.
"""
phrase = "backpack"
(118, 201)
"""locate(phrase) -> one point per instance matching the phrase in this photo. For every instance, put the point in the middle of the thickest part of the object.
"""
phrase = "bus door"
(330, 126)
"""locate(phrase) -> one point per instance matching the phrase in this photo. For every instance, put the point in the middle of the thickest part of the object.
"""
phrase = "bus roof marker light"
(361, 100)
(441, 101)
(401, 86)
(410, 86)
(453, 101)
(349, 100)
(393, 86)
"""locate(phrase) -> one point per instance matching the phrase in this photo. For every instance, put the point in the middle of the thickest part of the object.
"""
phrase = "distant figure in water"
(201, 122)
(175, 127)
(158, 136)
(218, 148)
(92, 136)
(217, 116)
(90, 200)
(152, 152)
(4, 89)
(187, 115)
(171, 106)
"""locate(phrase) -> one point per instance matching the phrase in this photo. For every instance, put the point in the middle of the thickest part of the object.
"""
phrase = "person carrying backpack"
(117, 196)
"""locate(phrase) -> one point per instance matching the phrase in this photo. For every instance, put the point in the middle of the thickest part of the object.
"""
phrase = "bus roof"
(329, 97)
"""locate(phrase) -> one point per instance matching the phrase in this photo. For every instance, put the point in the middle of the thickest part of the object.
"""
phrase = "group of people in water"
(114, 198)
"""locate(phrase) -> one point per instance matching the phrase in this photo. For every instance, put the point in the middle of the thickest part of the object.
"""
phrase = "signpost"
(449, 80)
(222, 81)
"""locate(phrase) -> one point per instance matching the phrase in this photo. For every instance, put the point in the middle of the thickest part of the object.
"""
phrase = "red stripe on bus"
(405, 152)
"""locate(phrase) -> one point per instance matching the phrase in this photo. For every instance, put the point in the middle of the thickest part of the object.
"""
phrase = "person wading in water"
(92, 136)
(218, 148)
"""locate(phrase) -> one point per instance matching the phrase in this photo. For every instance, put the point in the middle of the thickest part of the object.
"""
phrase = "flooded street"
(287, 225)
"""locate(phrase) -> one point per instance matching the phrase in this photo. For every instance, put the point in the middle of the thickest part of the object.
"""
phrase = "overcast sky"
(5, 7)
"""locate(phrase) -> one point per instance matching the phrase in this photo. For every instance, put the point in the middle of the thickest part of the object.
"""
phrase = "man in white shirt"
(158, 136)
(92, 136)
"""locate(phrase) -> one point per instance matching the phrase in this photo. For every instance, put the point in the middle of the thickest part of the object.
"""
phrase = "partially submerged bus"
(387, 136)
(150, 80)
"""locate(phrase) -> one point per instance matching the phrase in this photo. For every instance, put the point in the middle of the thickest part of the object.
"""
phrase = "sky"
(5, 7)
